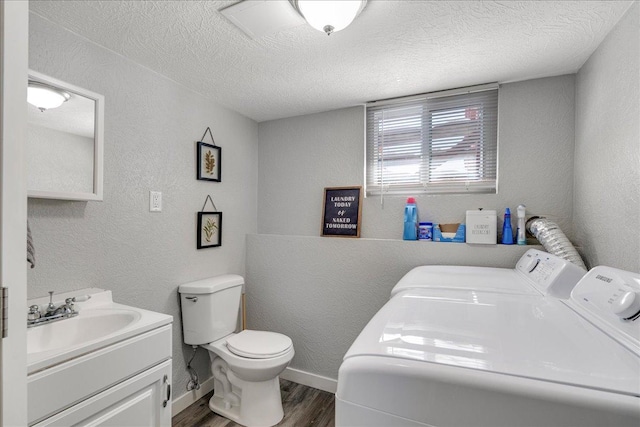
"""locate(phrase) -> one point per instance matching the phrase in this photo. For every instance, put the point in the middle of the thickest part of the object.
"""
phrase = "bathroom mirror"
(64, 140)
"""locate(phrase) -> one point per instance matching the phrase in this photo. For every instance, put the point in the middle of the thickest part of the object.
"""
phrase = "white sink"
(100, 323)
(90, 326)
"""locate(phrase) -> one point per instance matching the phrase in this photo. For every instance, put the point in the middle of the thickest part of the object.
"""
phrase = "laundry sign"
(342, 211)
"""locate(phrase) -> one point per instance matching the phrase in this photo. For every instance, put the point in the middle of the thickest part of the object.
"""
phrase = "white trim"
(14, 51)
(432, 95)
(189, 398)
(310, 380)
(290, 374)
(98, 142)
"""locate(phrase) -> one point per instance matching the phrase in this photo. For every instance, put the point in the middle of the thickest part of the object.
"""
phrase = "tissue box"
(448, 233)
(482, 227)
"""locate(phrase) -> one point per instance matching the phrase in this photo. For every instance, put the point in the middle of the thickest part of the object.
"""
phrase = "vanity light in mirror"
(64, 140)
(45, 97)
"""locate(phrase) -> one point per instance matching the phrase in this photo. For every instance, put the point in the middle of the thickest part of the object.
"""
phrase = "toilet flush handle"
(194, 299)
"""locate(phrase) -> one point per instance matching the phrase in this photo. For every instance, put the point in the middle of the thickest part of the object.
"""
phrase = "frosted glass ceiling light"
(44, 97)
(329, 15)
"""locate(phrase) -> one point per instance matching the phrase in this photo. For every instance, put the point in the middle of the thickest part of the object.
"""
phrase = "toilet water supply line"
(194, 382)
(554, 240)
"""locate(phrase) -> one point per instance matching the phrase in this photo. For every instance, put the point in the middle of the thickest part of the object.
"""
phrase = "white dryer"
(460, 357)
(536, 273)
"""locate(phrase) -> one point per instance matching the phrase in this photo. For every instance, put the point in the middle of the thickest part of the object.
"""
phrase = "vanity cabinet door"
(62, 386)
(143, 400)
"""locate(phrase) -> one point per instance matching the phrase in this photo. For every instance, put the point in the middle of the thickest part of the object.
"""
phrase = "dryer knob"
(628, 305)
(531, 264)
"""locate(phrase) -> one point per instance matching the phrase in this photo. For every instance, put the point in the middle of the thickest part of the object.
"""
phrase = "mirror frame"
(98, 143)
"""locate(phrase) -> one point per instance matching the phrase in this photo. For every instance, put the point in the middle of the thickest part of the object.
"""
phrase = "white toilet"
(245, 365)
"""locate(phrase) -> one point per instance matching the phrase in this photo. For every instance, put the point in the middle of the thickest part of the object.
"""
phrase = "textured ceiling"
(393, 48)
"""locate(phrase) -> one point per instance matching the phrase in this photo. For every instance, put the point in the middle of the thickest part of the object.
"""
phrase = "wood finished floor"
(303, 406)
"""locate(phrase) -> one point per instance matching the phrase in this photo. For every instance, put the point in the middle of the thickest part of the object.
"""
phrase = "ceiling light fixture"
(329, 15)
(45, 97)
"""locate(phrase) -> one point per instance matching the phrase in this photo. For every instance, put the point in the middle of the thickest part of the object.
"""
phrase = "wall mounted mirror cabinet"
(65, 135)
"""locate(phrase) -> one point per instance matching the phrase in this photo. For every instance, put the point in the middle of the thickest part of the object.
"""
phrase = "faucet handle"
(81, 298)
(34, 312)
(51, 307)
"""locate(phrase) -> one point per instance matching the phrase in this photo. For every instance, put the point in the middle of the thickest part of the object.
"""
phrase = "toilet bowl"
(247, 389)
(245, 365)
(259, 363)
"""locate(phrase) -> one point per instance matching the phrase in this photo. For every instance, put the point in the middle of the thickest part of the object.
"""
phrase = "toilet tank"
(210, 308)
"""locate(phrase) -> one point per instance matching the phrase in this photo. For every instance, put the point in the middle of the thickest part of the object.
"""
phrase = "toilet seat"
(259, 344)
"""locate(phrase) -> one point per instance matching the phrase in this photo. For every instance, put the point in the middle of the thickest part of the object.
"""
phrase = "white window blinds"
(438, 143)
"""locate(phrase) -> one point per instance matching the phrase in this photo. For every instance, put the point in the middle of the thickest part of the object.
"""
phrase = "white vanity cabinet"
(127, 383)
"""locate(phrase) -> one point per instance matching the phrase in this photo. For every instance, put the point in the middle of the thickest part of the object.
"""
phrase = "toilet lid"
(259, 344)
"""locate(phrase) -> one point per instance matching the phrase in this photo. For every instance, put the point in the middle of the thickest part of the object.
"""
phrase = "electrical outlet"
(155, 201)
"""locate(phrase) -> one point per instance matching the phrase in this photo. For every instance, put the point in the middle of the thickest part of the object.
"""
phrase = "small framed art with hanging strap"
(209, 159)
(209, 231)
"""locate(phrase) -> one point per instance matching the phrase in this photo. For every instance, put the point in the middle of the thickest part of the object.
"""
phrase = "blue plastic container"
(425, 231)
(410, 220)
(507, 231)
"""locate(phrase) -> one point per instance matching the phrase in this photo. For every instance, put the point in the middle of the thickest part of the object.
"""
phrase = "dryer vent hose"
(553, 239)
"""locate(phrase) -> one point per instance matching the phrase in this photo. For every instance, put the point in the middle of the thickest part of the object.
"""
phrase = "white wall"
(151, 125)
(322, 291)
(607, 156)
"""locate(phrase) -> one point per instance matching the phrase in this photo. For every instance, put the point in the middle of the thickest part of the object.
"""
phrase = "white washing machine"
(536, 273)
(460, 357)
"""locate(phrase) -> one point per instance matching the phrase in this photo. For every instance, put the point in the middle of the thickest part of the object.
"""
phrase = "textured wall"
(607, 157)
(322, 291)
(151, 125)
(300, 156)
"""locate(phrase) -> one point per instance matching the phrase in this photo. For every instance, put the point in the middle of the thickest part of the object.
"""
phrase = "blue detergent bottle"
(410, 220)
(507, 231)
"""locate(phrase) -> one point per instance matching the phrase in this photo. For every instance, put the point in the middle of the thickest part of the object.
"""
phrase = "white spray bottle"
(521, 237)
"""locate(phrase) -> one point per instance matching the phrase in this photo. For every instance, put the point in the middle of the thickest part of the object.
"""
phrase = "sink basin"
(88, 326)
(100, 323)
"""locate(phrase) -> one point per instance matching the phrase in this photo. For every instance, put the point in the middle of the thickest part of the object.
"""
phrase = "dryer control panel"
(610, 299)
(550, 274)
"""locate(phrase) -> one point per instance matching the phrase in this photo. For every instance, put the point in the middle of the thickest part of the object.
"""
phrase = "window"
(444, 142)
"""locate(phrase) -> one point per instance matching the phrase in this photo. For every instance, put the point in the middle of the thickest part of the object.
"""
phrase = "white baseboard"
(190, 397)
(310, 380)
(290, 374)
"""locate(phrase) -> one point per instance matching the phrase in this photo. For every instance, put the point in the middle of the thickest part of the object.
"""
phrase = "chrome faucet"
(66, 308)
(50, 308)
(53, 313)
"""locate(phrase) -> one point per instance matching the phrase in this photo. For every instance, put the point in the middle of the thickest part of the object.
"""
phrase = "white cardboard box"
(482, 227)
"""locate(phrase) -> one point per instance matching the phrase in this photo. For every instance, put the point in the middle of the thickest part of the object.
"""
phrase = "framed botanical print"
(209, 233)
(209, 162)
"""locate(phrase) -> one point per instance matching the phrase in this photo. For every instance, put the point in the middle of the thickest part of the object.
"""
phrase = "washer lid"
(489, 279)
(517, 335)
(259, 344)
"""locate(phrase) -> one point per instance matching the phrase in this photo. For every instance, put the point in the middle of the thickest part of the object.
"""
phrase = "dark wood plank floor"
(303, 406)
